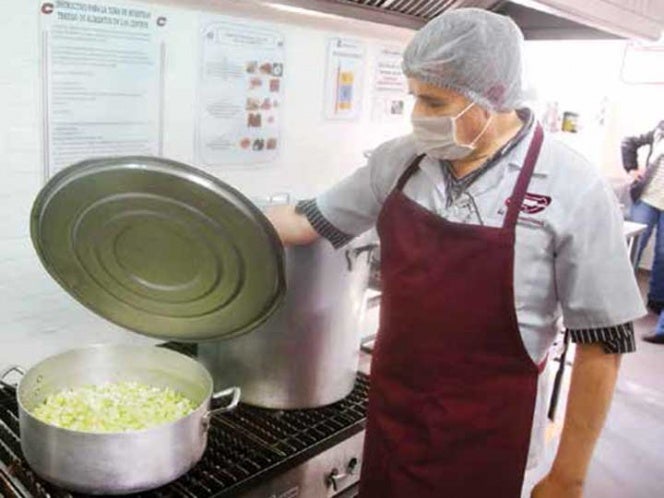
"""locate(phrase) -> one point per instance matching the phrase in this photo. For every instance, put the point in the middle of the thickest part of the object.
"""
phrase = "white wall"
(316, 153)
(37, 318)
(580, 75)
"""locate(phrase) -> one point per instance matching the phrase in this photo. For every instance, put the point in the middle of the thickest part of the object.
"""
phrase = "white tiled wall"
(37, 318)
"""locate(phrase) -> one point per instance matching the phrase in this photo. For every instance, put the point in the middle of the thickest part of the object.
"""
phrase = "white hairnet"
(474, 52)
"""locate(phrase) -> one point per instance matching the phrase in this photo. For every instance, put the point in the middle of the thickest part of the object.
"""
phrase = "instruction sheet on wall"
(101, 81)
(240, 89)
(344, 78)
(390, 87)
(643, 63)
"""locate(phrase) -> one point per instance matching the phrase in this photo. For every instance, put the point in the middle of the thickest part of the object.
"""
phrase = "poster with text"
(102, 78)
(643, 63)
(344, 78)
(390, 86)
(240, 89)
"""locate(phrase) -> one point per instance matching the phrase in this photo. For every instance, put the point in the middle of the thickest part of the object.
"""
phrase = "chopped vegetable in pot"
(113, 407)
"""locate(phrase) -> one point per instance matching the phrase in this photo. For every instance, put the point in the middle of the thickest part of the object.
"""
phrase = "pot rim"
(204, 404)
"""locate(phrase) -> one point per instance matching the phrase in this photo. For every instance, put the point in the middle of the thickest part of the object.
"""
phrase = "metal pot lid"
(159, 247)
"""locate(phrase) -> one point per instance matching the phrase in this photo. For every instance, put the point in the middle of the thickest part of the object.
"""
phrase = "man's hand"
(293, 228)
(637, 174)
(553, 487)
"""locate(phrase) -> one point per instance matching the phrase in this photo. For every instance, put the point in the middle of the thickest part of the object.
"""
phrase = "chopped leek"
(113, 407)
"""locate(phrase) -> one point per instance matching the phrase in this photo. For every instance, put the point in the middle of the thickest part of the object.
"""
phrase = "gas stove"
(251, 453)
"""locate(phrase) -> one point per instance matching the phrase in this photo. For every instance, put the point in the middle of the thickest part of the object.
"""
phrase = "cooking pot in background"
(306, 354)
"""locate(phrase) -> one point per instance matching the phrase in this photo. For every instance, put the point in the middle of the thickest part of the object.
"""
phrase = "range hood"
(627, 18)
(539, 19)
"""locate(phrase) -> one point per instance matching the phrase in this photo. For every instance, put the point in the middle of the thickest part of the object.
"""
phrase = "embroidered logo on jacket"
(533, 203)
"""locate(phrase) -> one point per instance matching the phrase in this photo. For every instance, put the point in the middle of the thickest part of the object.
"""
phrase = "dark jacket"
(630, 147)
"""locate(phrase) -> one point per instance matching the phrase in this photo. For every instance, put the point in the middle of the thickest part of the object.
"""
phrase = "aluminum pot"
(306, 354)
(116, 463)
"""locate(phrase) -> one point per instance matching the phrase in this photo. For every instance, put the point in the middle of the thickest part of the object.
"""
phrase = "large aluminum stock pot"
(116, 463)
(164, 250)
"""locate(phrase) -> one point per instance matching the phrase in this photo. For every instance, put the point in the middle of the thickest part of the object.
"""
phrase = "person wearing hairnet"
(489, 230)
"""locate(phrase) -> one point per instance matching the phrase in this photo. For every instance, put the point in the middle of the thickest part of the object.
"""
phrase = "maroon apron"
(452, 387)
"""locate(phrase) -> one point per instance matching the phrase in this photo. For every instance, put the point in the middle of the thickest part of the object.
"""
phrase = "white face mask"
(436, 136)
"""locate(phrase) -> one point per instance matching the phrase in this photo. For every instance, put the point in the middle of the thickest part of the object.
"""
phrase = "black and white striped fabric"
(616, 340)
(325, 229)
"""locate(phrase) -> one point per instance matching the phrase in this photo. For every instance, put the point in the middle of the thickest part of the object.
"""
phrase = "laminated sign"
(240, 89)
(344, 75)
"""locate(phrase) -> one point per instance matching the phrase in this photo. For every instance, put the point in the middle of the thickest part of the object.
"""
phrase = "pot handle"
(234, 393)
(4, 373)
(354, 253)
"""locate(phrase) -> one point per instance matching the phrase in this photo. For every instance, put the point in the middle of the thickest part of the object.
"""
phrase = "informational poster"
(240, 89)
(102, 81)
(390, 87)
(344, 77)
(643, 63)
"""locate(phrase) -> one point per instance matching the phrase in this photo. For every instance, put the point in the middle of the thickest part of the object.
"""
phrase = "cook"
(489, 230)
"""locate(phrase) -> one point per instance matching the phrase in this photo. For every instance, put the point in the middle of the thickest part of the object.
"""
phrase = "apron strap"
(410, 171)
(519, 192)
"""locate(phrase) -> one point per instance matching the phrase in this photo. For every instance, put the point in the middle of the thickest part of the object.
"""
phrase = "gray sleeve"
(352, 206)
(325, 229)
(595, 280)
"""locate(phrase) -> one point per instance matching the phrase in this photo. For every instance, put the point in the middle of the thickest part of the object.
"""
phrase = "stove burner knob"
(335, 478)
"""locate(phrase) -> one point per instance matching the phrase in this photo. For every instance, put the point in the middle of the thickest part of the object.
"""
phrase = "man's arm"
(293, 228)
(630, 147)
(593, 381)
(351, 206)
